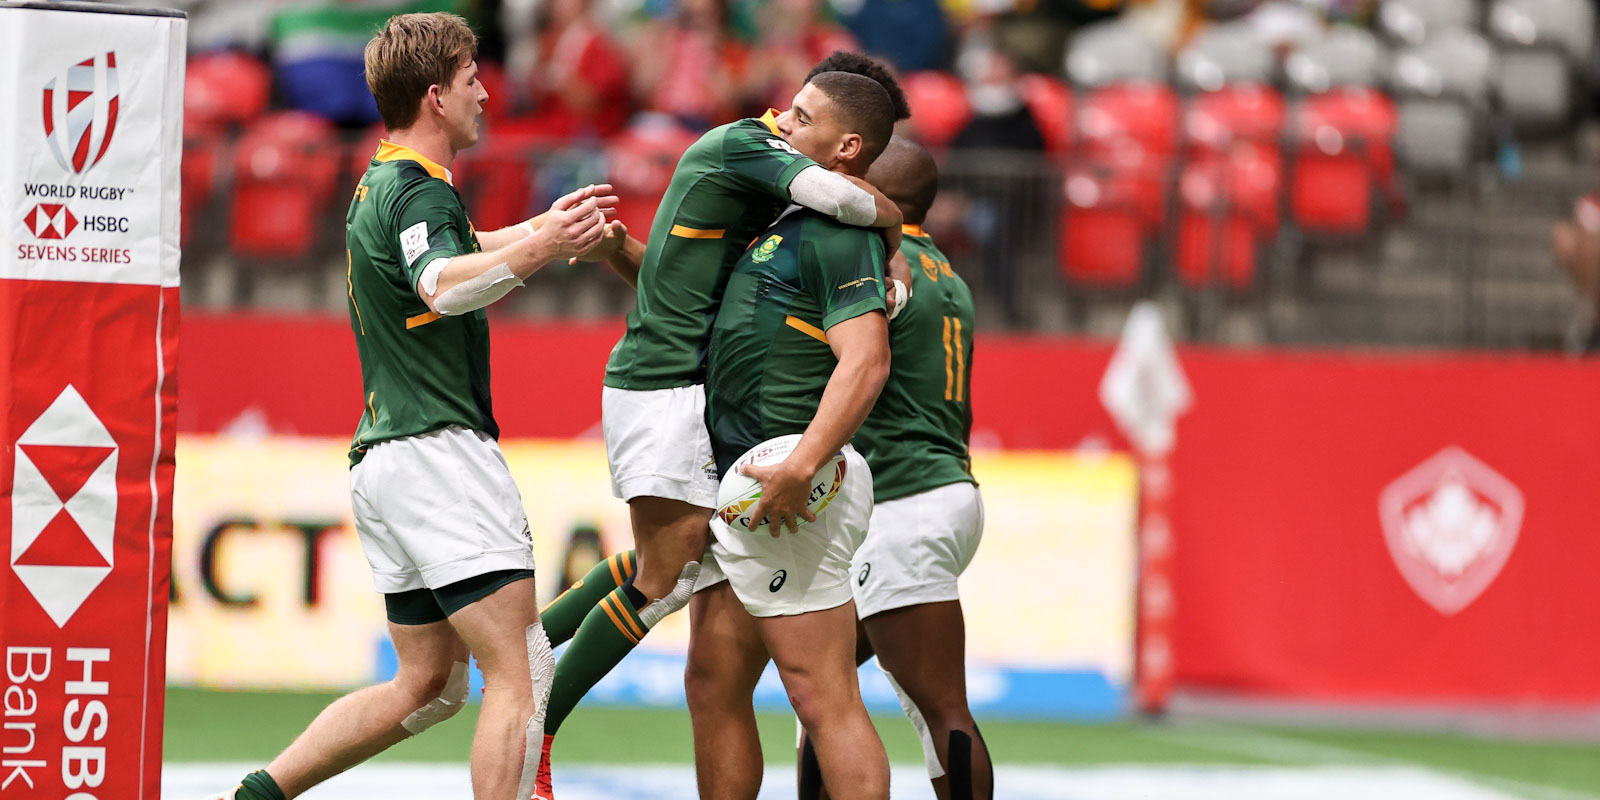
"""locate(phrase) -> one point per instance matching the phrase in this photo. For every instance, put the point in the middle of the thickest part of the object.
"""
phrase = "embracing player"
(727, 188)
(800, 346)
(928, 516)
(439, 517)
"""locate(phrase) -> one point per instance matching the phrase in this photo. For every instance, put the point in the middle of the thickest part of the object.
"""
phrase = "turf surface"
(251, 727)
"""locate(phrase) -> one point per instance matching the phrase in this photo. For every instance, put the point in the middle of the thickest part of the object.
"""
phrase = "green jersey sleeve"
(843, 268)
(761, 159)
(425, 224)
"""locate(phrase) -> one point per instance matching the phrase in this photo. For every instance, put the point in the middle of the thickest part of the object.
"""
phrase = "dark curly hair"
(862, 64)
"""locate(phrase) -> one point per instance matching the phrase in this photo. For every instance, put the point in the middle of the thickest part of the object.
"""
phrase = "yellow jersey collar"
(914, 230)
(389, 151)
(770, 119)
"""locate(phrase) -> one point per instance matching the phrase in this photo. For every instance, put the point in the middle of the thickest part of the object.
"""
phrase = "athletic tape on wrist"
(901, 295)
(443, 707)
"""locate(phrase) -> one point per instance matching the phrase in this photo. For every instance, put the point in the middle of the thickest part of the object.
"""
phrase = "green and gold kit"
(770, 358)
(728, 187)
(916, 437)
(419, 371)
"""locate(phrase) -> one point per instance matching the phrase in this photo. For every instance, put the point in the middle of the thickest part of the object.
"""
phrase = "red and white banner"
(90, 141)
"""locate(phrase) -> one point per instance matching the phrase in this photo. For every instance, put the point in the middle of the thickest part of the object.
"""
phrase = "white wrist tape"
(527, 225)
(902, 293)
(833, 194)
(443, 707)
(675, 599)
(475, 292)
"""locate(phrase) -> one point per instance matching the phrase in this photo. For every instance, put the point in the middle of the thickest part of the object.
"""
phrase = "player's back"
(728, 187)
(420, 371)
(915, 439)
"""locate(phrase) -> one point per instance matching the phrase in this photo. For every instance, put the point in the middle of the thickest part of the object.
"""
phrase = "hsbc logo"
(50, 221)
(80, 112)
(1450, 524)
(64, 505)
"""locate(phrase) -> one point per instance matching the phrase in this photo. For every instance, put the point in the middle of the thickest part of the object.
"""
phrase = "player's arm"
(456, 284)
(623, 253)
(769, 163)
(494, 240)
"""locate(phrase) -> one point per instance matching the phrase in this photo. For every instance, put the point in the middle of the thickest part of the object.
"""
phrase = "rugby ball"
(738, 493)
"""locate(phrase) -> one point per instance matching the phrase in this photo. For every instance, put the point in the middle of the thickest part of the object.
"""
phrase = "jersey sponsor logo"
(1450, 523)
(767, 250)
(64, 505)
(414, 242)
(858, 282)
(778, 579)
(80, 112)
(779, 144)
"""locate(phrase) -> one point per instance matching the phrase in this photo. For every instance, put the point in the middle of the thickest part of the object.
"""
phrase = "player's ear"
(435, 98)
(850, 147)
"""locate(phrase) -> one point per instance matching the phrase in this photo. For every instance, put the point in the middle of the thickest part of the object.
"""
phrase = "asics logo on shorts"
(866, 569)
(777, 580)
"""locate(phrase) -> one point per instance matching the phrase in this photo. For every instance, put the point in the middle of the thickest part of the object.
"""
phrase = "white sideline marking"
(627, 782)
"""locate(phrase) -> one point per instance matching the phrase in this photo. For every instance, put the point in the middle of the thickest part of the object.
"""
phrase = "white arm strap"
(833, 194)
(471, 294)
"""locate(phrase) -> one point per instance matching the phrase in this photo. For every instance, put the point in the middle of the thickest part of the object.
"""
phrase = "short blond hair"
(411, 53)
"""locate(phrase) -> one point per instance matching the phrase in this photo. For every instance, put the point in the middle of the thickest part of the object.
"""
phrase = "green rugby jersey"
(728, 187)
(419, 371)
(915, 439)
(770, 359)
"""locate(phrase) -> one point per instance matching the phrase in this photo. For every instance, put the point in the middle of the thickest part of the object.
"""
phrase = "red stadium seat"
(1243, 112)
(202, 153)
(1145, 113)
(493, 79)
(286, 170)
(1050, 103)
(939, 107)
(1343, 158)
(500, 191)
(1216, 238)
(226, 88)
(1103, 233)
(640, 162)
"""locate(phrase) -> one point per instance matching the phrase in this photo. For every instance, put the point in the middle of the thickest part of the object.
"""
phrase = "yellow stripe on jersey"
(696, 233)
(421, 320)
(389, 151)
(914, 230)
(806, 328)
(770, 119)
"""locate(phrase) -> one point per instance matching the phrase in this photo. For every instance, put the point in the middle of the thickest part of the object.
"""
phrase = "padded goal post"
(91, 113)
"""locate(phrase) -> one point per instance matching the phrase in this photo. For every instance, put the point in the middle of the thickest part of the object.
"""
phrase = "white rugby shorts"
(797, 572)
(438, 508)
(917, 547)
(657, 444)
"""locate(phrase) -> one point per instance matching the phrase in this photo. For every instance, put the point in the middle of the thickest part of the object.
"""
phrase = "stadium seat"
(497, 177)
(1347, 56)
(1543, 45)
(1342, 158)
(225, 88)
(202, 154)
(1111, 52)
(1050, 103)
(1222, 55)
(1103, 233)
(1442, 90)
(286, 168)
(1417, 21)
(492, 77)
(939, 107)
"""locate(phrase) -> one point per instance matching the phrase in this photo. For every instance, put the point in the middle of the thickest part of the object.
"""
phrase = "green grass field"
(250, 727)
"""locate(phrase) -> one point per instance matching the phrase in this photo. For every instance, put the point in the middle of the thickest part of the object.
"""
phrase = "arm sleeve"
(833, 194)
(844, 270)
(425, 226)
(761, 159)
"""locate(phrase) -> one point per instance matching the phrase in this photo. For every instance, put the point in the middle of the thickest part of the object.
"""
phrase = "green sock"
(259, 785)
(562, 617)
(608, 633)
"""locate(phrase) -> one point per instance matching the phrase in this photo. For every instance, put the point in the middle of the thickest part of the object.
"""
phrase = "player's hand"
(899, 270)
(577, 222)
(891, 240)
(616, 233)
(785, 491)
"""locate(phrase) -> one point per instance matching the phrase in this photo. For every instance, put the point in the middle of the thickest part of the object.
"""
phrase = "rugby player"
(728, 187)
(927, 515)
(439, 517)
(800, 345)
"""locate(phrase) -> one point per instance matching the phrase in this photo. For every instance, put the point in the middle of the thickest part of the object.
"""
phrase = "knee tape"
(443, 707)
(675, 600)
(542, 669)
(930, 755)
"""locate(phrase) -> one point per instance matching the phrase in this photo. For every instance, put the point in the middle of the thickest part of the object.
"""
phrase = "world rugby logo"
(80, 112)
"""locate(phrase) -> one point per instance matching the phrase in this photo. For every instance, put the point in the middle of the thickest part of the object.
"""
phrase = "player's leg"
(809, 777)
(923, 649)
(562, 615)
(429, 687)
(514, 655)
(815, 655)
(726, 658)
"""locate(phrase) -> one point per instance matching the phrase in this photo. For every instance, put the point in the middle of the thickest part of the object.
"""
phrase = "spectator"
(689, 66)
(795, 35)
(911, 34)
(578, 86)
(1000, 120)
